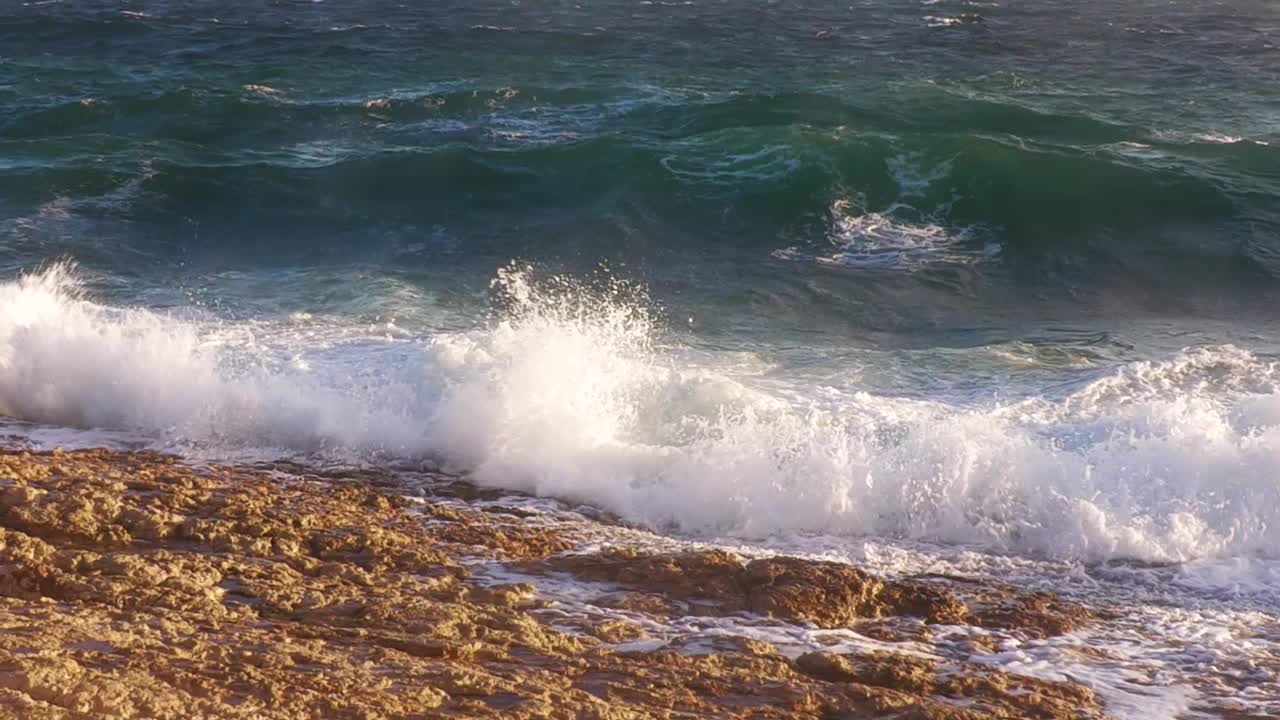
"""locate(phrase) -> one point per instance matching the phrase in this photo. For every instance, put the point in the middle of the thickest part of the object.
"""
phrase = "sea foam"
(581, 394)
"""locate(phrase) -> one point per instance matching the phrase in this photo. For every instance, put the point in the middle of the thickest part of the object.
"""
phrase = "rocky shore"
(133, 585)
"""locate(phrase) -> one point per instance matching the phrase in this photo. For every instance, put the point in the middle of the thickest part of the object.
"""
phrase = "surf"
(582, 390)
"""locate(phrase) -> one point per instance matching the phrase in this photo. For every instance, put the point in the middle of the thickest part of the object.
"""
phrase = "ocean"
(942, 286)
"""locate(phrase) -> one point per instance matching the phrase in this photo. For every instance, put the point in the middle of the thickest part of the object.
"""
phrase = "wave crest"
(573, 390)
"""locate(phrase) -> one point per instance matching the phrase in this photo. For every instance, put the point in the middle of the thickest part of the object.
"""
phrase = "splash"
(573, 389)
(887, 240)
(65, 360)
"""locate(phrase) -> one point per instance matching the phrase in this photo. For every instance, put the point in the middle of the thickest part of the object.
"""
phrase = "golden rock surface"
(135, 586)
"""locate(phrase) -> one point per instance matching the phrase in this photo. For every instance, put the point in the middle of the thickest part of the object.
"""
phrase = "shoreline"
(133, 585)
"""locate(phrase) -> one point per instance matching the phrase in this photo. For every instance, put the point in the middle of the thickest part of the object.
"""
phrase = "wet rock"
(828, 594)
(826, 666)
(132, 586)
(481, 529)
(647, 603)
(1038, 615)
(616, 631)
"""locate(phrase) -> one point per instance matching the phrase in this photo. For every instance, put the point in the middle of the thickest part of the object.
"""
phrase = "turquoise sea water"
(992, 273)
(933, 286)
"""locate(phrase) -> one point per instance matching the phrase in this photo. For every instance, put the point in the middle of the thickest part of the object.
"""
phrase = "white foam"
(1219, 138)
(885, 241)
(577, 394)
(67, 361)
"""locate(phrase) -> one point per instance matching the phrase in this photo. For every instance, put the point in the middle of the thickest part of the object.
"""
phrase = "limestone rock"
(134, 587)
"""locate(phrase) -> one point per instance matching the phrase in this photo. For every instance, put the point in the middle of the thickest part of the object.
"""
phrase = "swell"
(987, 175)
(1025, 192)
(754, 173)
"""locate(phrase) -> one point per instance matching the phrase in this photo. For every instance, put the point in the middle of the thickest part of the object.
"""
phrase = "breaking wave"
(575, 390)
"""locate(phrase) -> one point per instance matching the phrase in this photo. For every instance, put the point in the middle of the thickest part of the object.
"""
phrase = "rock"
(827, 594)
(616, 631)
(647, 603)
(132, 587)
(826, 666)
(1037, 615)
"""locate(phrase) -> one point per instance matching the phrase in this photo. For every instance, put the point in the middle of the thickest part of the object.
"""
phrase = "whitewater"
(939, 288)
(584, 391)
